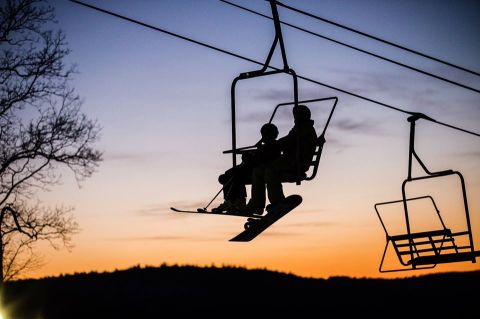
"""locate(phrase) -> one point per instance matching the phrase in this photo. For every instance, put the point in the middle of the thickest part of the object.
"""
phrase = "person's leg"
(258, 188)
(273, 174)
(238, 192)
(233, 182)
(226, 180)
(234, 192)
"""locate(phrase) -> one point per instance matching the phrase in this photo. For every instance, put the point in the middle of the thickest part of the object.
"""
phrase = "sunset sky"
(164, 105)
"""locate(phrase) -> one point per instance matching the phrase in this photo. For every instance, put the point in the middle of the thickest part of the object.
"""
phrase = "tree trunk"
(1, 256)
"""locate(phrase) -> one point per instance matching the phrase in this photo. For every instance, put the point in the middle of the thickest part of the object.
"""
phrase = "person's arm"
(287, 140)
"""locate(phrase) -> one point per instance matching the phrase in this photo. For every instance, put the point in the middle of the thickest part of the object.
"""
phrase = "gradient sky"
(164, 105)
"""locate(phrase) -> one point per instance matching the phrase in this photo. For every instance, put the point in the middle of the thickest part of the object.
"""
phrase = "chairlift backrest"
(316, 158)
(292, 178)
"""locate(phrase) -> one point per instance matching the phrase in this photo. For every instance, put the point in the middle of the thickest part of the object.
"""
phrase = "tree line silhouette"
(153, 292)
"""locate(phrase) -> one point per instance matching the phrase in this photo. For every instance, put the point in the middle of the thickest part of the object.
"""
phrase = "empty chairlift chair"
(426, 249)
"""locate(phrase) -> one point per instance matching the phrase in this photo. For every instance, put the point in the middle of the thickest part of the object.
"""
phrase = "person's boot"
(239, 204)
(253, 210)
(223, 207)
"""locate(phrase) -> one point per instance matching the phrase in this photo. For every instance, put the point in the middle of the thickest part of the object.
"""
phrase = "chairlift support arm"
(278, 39)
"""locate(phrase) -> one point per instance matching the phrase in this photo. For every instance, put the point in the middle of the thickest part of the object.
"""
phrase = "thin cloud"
(421, 93)
(364, 126)
(279, 234)
(471, 154)
(255, 117)
(312, 224)
(370, 82)
(286, 95)
(166, 238)
(336, 143)
(162, 209)
(457, 76)
(132, 157)
(152, 210)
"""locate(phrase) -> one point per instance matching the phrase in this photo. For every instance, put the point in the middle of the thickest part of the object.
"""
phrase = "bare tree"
(41, 129)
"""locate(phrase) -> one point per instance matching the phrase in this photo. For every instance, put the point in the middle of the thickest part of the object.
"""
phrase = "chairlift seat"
(291, 176)
(431, 248)
(426, 249)
(445, 258)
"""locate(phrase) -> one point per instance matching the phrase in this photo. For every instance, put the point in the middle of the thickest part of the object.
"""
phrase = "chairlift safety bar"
(310, 101)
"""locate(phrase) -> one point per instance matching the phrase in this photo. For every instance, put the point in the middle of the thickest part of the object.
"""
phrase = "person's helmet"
(269, 131)
(301, 113)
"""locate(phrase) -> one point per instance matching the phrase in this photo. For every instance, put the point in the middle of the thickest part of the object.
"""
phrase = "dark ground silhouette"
(153, 292)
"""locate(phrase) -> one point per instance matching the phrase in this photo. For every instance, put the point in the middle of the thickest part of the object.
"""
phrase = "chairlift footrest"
(445, 258)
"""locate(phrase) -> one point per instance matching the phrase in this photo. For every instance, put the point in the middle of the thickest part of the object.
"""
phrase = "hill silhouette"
(154, 292)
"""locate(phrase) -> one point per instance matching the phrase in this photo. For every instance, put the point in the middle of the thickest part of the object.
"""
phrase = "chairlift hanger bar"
(260, 63)
(311, 101)
(376, 38)
(278, 38)
(356, 49)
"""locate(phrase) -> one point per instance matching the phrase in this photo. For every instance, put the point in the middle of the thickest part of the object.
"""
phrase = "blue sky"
(164, 105)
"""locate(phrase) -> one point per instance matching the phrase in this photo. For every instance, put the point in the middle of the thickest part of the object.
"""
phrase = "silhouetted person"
(269, 174)
(235, 179)
(267, 148)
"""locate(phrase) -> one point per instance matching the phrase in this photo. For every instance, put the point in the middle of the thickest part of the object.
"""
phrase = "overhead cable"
(377, 38)
(355, 48)
(260, 63)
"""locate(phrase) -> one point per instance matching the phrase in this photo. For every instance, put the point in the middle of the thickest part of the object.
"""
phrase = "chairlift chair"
(300, 175)
(278, 40)
(426, 249)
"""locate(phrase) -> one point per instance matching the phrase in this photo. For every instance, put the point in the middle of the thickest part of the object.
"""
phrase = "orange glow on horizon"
(166, 121)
